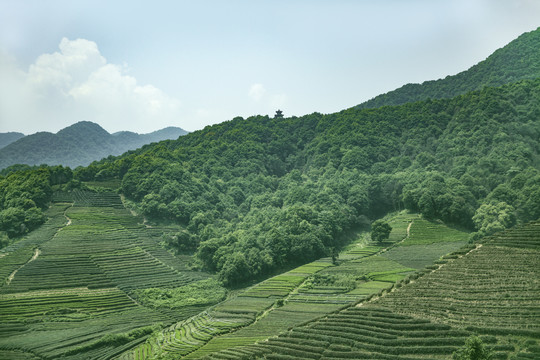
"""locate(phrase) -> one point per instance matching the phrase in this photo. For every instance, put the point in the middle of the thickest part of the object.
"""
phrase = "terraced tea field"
(427, 242)
(76, 289)
(495, 287)
(290, 299)
(261, 311)
(67, 288)
(491, 289)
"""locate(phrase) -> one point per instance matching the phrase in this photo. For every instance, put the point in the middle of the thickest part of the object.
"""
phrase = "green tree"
(380, 230)
(493, 217)
(12, 221)
(235, 270)
(474, 349)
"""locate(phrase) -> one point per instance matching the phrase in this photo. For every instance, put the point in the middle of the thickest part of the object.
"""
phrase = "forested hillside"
(518, 60)
(77, 145)
(257, 194)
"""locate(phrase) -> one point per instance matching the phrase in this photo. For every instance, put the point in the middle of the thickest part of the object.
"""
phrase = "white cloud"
(77, 84)
(257, 92)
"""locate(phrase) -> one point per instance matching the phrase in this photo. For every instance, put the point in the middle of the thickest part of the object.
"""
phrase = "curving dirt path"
(34, 257)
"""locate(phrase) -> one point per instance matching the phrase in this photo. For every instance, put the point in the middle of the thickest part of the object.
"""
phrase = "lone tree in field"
(380, 230)
(474, 349)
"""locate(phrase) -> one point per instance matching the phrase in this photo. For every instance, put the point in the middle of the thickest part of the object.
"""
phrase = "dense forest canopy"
(24, 193)
(255, 195)
(259, 193)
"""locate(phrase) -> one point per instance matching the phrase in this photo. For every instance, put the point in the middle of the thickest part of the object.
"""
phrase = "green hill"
(77, 145)
(256, 194)
(518, 60)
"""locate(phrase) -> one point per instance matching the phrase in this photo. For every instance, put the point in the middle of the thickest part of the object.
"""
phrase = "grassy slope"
(76, 292)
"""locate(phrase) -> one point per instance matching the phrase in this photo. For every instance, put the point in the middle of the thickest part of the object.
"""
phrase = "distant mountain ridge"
(518, 60)
(75, 145)
(9, 137)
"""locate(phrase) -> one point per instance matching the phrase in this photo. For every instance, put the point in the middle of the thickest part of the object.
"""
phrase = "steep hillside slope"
(518, 60)
(259, 193)
(9, 137)
(77, 145)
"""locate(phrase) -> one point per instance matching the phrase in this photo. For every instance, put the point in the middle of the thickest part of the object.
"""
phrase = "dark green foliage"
(474, 349)
(380, 230)
(518, 60)
(23, 195)
(257, 194)
(76, 145)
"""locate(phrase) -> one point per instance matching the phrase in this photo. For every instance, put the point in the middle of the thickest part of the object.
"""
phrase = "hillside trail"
(37, 251)
(67, 218)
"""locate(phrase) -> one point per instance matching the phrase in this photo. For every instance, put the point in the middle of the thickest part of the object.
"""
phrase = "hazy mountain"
(518, 60)
(78, 144)
(9, 137)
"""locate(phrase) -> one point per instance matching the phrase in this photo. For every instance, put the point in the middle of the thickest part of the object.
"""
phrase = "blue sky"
(144, 65)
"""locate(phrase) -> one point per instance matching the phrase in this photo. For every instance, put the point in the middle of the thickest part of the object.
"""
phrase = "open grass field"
(424, 232)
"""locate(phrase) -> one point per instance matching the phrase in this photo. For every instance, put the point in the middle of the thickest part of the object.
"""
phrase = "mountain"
(170, 132)
(78, 145)
(9, 137)
(518, 60)
(259, 193)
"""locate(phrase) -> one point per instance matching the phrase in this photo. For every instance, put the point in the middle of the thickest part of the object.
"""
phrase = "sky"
(145, 65)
